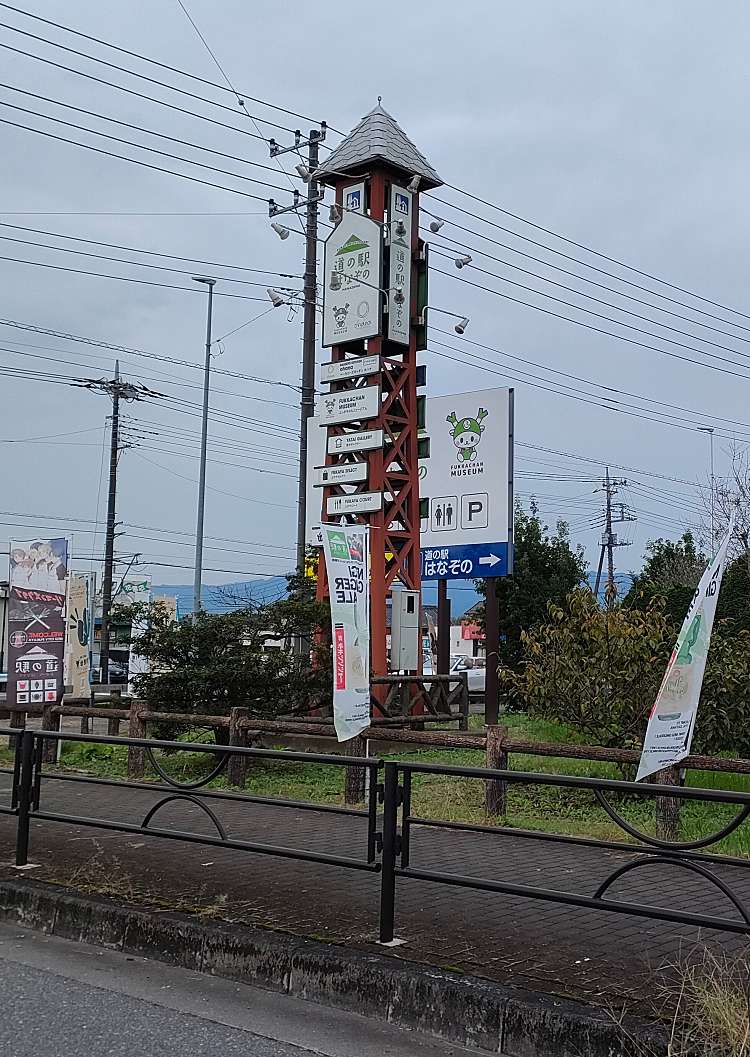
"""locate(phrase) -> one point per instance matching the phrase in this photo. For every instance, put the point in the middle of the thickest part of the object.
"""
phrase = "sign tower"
(373, 274)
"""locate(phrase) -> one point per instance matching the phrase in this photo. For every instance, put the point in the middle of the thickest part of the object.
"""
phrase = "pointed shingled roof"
(377, 137)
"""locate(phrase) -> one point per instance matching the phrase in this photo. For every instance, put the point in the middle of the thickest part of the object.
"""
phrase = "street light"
(461, 262)
(198, 576)
(281, 231)
(435, 225)
(460, 327)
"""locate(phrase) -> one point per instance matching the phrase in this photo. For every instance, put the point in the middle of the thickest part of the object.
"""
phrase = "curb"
(465, 1010)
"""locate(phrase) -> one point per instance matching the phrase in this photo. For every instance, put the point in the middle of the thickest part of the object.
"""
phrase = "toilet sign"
(467, 527)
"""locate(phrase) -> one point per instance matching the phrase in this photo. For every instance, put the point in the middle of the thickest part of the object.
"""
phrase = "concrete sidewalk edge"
(464, 1010)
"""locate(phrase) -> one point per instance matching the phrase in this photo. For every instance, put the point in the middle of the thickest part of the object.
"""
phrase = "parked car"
(475, 668)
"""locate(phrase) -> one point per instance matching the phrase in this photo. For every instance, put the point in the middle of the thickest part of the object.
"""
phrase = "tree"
(212, 662)
(671, 571)
(545, 569)
(595, 670)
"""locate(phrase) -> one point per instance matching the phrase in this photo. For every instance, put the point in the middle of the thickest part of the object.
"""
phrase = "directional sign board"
(344, 473)
(355, 367)
(364, 440)
(468, 483)
(350, 406)
(356, 503)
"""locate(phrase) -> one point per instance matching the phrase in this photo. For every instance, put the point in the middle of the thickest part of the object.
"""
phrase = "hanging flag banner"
(346, 549)
(78, 638)
(36, 622)
(672, 719)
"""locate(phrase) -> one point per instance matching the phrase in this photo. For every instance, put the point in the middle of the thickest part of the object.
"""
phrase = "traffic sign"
(465, 561)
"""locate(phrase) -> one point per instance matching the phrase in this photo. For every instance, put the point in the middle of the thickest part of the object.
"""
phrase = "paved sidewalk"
(596, 956)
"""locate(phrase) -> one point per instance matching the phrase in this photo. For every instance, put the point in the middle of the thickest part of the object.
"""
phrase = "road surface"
(64, 999)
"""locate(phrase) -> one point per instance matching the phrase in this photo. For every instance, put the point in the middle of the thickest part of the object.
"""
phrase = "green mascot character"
(466, 433)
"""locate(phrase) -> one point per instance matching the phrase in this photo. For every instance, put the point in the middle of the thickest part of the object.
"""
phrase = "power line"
(232, 495)
(601, 330)
(162, 65)
(582, 246)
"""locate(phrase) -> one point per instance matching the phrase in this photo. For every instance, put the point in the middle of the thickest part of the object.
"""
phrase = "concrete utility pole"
(610, 487)
(198, 575)
(117, 389)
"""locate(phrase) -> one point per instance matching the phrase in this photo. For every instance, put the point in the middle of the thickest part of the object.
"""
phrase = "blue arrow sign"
(468, 562)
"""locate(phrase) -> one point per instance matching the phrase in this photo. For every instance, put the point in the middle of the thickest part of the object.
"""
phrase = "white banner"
(352, 282)
(399, 312)
(347, 553)
(672, 719)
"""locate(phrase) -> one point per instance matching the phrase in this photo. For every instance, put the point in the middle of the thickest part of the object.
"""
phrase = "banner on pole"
(346, 550)
(36, 622)
(672, 719)
(78, 638)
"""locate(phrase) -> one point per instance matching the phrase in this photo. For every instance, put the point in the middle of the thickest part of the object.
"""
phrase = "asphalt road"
(64, 999)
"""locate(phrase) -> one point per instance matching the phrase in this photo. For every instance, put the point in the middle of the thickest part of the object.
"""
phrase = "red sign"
(471, 631)
(340, 657)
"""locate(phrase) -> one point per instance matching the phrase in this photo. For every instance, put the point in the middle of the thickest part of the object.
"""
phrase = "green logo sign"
(467, 433)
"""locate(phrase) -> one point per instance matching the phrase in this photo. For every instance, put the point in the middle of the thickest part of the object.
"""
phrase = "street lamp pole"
(197, 580)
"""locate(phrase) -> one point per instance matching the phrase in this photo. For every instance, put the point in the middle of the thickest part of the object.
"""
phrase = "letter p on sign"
(475, 510)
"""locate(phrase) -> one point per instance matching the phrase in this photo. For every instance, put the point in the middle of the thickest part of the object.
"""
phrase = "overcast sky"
(620, 125)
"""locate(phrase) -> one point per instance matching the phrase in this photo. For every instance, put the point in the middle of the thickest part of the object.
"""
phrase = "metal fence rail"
(388, 837)
(28, 797)
(650, 851)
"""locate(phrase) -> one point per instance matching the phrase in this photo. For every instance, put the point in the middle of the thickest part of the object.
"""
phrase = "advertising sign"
(672, 719)
(399, 272)
(346, 550)
(468, 482)
(36, 622)
(78, 636)
(355, 367)
(350, 406)
(130, 591)
(353, 261)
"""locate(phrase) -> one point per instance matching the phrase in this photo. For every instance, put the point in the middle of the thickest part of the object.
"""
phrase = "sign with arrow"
(467, 562)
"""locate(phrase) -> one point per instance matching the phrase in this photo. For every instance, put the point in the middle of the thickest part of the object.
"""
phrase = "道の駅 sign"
(468, 483)
(353, 265)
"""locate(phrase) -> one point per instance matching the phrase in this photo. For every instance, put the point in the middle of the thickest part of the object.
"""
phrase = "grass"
(567, 811)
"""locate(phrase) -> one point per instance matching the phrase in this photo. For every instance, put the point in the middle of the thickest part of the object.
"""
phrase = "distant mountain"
(224, 598)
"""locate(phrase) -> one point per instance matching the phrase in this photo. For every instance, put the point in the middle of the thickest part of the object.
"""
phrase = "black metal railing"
(390, 826)
(649, 850)
(28, 796)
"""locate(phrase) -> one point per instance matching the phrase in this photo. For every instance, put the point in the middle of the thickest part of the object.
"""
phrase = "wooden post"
(492, 647)
(18, 722)
(113, 725)
(496, 791)
(667, 807)
(237, 765)
(354, 777)
(136, 729)
(50, 721)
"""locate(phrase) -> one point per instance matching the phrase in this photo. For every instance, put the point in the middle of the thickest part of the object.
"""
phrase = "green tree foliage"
(546, 568)
(598, 671)
(212, 662)
(671, 572)
(595, 670)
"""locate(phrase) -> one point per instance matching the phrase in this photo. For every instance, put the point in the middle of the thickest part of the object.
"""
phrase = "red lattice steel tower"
(380, 161)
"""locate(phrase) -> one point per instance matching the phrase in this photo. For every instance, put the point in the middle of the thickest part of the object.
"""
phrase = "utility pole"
(613, 514)
(710, 431)
(310, 288)
(109, 540)
(198, 575)
(117, 389)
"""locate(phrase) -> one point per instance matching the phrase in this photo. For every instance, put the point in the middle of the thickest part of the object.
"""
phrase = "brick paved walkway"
(604, 958)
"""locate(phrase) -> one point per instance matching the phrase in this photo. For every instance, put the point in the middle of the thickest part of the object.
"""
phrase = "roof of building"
(378, 137)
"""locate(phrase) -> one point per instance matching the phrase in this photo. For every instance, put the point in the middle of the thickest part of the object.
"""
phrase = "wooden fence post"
(667, 807)
(113, 725)
(136, 729)
(354, 777)
(496, 790)
(237, 765)
(50, 721)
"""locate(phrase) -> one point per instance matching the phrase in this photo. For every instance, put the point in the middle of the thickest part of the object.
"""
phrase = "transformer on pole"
(372, 285)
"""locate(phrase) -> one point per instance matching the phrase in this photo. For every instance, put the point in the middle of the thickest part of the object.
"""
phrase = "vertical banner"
(78, 636)
(399, 272)
(346, 549)
(352, 277)
(36, 622)
(672, 719)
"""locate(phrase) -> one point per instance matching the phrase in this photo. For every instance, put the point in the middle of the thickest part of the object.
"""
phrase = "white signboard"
(356, 503)
(345, 473)
(78, 631)
(352, 280)
(356, 367)
(346, 550)
(316, 453)
(399, 273)
(672, 719)
(350, 406)
(468, 482)
(365, 440)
